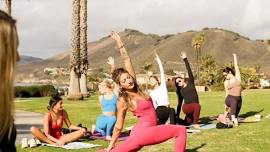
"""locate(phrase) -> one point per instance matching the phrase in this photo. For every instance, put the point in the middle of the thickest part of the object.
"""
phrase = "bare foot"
(197, 126)
(108, 138)
(93, 129)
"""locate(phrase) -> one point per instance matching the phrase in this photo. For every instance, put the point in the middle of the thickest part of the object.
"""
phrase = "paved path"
(24, 120)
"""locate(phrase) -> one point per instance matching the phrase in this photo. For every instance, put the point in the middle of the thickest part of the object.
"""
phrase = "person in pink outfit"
(132, 98)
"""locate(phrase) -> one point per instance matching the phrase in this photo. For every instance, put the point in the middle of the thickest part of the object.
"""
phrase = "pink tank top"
(145, 113)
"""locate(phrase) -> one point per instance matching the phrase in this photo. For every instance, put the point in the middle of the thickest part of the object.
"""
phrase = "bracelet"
(121, 46)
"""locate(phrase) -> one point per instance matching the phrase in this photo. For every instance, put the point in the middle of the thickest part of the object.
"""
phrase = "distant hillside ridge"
(218, 43)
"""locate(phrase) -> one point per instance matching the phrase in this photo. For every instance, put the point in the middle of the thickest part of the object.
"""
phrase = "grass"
(247, 137)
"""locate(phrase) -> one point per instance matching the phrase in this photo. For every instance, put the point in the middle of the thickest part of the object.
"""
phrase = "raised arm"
(236, 68)
(111, 63)
(121, 114)
(124, 54)
(190, 74)
(161, 70)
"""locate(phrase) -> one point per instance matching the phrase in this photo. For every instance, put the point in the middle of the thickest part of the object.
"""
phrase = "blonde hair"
(8, 58)
(109, 83)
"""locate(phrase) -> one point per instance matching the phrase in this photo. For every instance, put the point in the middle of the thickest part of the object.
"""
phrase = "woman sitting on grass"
(108, 101)
(53, 123)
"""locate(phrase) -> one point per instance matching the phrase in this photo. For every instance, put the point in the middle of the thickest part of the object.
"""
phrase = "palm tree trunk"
(197, 58)
(8, 6)
(74, 86)
(83, 48)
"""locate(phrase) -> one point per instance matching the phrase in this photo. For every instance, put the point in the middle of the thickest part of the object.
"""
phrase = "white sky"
(45, 25)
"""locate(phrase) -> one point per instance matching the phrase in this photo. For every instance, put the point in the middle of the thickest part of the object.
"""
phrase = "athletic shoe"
(24, 143)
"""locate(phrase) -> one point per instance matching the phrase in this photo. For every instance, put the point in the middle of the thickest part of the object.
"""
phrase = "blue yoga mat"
(206, 126)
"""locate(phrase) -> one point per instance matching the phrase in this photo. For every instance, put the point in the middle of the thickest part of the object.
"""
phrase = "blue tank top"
(109, 105)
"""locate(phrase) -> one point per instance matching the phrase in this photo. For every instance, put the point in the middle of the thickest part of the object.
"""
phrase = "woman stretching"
(186, 90)
(159, 96)
(232, 85)
(108, 100)
(53, 123)
(131, 98)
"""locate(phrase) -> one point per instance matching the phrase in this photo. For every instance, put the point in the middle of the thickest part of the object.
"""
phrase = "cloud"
(45, 25)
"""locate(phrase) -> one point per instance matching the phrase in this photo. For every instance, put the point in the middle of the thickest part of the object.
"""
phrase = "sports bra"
(109, 105)
(55, 128)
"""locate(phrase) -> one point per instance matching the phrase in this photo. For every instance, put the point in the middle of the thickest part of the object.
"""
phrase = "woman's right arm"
(47, 130)
(121, 114)
(124, 55)
(100, 102)
(179, 105)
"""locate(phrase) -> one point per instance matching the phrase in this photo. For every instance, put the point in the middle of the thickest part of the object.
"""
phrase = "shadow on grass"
(250, 113)
(196, 148)
(208, 119)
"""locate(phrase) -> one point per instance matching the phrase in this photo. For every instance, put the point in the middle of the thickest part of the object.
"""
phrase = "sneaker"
(38, 142)
(32, 143)
(24, 143)
(235, 122)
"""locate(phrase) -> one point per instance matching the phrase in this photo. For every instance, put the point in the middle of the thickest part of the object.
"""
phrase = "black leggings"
(235, 103)
(163, 113)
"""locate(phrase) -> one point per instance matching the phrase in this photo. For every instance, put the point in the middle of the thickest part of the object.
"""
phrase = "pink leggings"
(144, 135)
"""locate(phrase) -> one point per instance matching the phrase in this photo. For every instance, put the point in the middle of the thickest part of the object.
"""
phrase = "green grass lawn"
(247, 137)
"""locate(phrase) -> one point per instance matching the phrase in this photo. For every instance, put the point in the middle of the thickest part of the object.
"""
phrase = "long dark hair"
(116, 78)
(53, 101)
(178, 88)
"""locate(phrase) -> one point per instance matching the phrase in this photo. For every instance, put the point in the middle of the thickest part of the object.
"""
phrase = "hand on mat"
(183, 55)
(110, 147)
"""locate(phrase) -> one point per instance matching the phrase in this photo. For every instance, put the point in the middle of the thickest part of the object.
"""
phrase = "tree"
(211, 74)
(197, 42)
(83, 48)
(146, 68)
(8, 6)
(74, 86)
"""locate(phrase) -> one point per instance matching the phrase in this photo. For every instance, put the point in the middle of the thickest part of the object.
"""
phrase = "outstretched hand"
(115, 36)
(110, 60)
(183, 55)
(156, 56)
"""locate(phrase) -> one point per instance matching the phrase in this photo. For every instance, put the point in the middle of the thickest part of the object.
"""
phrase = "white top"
(160, 95)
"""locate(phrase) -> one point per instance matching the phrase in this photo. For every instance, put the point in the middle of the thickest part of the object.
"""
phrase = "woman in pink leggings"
(146, 131)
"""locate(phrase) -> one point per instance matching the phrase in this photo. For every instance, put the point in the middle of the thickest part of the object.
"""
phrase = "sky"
(44, 26)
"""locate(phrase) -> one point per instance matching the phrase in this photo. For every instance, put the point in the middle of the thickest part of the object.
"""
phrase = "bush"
(35, 91)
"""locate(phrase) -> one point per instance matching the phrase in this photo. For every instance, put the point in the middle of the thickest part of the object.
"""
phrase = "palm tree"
(197, 42)
(146, 68)
(74, 86)
(8, 6)
(83, 48)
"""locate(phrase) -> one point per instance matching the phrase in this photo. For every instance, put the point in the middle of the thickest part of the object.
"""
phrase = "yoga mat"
(205, 126)
(122, 137)
(74, 145)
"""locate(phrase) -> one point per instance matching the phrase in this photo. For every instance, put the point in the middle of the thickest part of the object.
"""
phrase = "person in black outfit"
(185, 90)
(8, 58)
